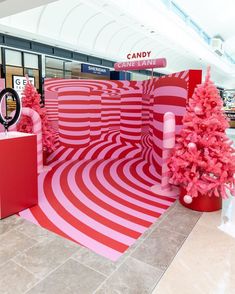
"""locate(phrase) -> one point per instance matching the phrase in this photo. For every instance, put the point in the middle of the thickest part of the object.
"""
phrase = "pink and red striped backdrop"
(99, 195)
(88, 109)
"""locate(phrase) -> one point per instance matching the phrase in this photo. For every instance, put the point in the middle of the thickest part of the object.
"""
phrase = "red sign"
(138, 55)
(140, 64)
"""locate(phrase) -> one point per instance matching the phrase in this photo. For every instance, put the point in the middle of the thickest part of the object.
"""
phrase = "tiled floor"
(33, 260)
(205, 264)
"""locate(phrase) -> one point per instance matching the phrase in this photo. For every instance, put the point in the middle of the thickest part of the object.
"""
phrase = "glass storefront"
(59, 68)
(19, 63)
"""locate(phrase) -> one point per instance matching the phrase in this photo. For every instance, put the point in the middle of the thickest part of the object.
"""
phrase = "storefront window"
(31, 60)
(13, 57)
(58, 68)
(19, 64)
(10, 72)
(54, 73)
(33, 73)
(54, 63)
(68, 75)
(139, 77)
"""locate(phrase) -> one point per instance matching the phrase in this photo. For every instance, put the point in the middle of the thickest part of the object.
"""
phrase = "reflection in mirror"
(10, 107)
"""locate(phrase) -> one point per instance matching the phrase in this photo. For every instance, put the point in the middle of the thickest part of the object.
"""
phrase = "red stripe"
(118, 246)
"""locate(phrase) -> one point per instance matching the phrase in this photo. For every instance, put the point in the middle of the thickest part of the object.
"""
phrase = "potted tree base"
(203, 203)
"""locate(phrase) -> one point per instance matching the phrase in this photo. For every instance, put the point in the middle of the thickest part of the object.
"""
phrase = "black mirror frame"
(8, 123)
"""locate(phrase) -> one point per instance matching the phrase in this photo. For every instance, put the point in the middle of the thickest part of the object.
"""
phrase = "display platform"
(109, 155)
(18, 178)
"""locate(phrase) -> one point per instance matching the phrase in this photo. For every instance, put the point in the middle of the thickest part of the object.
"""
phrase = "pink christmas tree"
(31, 99)
(203, 160)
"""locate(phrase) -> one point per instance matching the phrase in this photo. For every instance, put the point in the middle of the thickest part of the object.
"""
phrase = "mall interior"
(117, 153)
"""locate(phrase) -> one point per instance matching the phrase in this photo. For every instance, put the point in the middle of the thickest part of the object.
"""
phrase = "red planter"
(202, 202)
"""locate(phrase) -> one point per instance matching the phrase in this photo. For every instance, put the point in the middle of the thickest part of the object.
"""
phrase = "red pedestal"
(18, 177)
(202, 202)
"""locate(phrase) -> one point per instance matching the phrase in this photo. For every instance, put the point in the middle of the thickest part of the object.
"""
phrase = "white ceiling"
(111, 29)
(9, 7)
(216, 17)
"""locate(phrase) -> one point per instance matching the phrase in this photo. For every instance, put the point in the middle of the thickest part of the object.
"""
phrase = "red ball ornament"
(203, 127)
(192, 174)
(213, 104)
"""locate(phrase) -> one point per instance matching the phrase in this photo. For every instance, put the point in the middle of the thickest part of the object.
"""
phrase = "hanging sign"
(140, 64)
(93, 69)
(142, 54)
(19, 83)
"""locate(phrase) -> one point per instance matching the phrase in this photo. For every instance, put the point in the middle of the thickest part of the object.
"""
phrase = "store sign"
(93, 69)
(138, 55)
(140, 64)
(19, 83)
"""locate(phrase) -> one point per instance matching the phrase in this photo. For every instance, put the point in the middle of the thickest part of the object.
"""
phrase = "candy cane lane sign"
(142, 54)
(140, 64)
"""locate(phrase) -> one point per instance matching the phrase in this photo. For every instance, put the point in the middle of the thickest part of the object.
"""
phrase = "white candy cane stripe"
(169, 130)
(37, 130)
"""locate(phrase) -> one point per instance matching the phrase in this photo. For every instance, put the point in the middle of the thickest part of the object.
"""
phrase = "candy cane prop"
(37, 130)
(168, 143)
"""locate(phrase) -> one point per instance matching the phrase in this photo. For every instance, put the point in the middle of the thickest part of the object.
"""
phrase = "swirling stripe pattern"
(98, 192)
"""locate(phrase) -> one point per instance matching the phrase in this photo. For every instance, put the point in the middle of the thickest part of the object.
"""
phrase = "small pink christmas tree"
(31, 99)
(203, 160)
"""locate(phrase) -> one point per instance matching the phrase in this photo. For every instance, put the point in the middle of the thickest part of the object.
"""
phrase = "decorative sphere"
(213, 104)
(192, 146)
(192, 174)
(203, 127)
(198, 110)
(188, 199)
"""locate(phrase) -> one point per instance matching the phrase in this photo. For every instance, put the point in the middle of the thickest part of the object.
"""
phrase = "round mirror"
(10, 107)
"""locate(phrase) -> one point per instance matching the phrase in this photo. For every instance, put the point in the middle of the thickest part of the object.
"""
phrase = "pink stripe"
(72, 232)
(73, 210)
(165, 108)
(113, 203)
(146, 195)
(83, 198)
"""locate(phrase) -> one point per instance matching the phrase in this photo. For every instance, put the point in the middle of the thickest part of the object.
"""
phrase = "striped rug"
(102, 204)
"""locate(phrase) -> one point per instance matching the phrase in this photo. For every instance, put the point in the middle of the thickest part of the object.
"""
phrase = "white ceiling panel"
(10, 7)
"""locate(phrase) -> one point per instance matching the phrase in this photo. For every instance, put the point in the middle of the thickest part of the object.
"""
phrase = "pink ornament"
(192, 146)
(192, 175)
(188, 199)
(198, 110)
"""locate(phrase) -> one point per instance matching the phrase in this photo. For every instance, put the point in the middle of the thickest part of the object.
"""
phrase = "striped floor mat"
(102, 204)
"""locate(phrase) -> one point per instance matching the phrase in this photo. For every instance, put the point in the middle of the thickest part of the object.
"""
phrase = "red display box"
(18, 172)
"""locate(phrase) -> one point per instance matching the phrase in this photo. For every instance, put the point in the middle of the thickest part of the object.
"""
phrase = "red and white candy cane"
(37, 130)
(168, 143)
